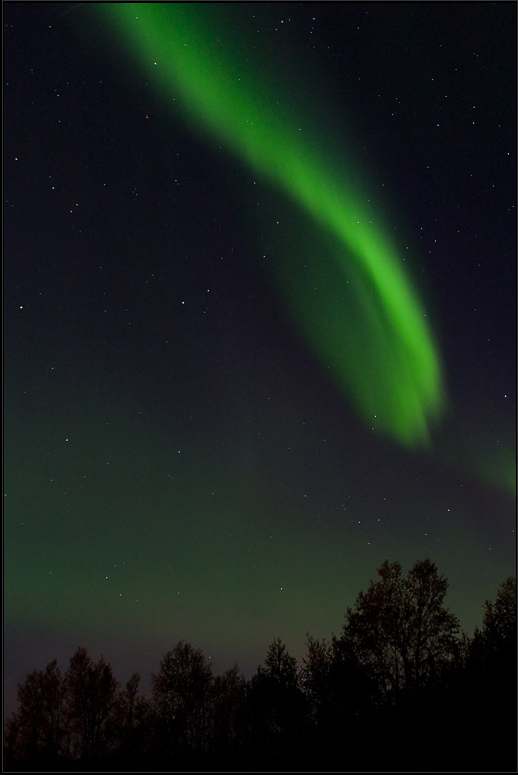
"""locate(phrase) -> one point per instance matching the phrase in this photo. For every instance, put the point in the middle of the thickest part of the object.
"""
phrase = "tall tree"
(498, 632)
(315, 675)
(37, 728)
(228, 698)
(400, 628)
(131, 722)
(181, 696)
(489, 699)
(275, 701)
(336, 685)
(90, 701)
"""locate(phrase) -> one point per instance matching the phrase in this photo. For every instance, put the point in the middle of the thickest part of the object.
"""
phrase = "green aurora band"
(375, 340)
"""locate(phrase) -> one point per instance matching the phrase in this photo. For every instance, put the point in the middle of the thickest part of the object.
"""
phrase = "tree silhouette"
(181, 696)
(399, 674)
(275, 702)
(316, 678)
(90, 700)
(131, 720)
(490, 682)
(228, 699)
(400, 629)
(37, 729)
(336, 684)
(498, 633)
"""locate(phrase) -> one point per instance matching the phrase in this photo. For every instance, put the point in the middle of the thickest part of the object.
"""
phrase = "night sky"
(183, 457)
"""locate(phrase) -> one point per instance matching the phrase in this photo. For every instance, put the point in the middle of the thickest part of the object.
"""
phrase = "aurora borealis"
(226, 400)
(393, 372)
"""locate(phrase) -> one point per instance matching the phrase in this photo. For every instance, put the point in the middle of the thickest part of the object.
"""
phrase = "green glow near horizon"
(389, 364)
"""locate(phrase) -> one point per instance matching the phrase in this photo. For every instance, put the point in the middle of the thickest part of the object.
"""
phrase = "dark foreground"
(400, 689)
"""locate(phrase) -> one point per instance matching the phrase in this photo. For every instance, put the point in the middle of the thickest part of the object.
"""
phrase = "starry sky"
(182, 461)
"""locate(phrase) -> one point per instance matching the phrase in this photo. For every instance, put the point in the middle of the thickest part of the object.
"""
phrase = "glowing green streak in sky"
(218, 91)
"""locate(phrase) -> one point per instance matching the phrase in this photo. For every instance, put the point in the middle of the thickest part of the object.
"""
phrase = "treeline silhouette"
(400, 688)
